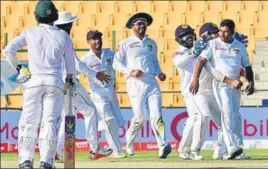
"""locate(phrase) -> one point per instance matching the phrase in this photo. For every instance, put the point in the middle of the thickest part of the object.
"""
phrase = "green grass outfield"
(259, 159)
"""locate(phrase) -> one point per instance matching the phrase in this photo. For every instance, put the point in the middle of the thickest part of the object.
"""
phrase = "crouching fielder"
(137, 59)
(81, 100)
(103, 93)
(47, 46)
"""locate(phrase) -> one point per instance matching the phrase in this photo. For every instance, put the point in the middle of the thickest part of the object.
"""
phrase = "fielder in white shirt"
(43, 98)
(104, 94)
(81, 100)
(227, 55)
(137, 59)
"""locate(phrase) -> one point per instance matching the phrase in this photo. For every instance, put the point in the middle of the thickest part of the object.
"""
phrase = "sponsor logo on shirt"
(94, 65)
(220, 48)
(135, 45)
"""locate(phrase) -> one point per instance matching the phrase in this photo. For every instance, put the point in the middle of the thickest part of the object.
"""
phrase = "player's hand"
(236, 84)
(68, 84)
(101, 76)
(250, 89)
(243, 72)
(24, 74)
(162, 76)
(194, 86)
(136, 73)
(241, 38)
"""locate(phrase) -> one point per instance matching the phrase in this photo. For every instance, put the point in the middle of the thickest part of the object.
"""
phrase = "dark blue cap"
(92, 33)
(208, 27)
(183, 30)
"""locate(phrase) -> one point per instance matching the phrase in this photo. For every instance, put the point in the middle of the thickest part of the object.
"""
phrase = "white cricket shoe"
(243, 156)
(164, 150)
(59, 157)
(185, 155)
(196, 156)
(234, 153)
(130, 149)
(118, 155)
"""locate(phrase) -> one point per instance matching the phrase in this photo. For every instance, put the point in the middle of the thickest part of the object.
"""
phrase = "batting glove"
(24, 74)
(68, 84)
(199, 46)
(241, 38)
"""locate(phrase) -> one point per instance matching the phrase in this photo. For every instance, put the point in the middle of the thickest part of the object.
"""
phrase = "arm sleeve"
(69, 58)
(214, 72)
(83, 68)
(12, 47)
(181, 58)
(244, 57)
(207, 52)
(119, 63)
(156, 62)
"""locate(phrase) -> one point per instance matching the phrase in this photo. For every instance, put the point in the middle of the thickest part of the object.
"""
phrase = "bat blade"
(69, 142)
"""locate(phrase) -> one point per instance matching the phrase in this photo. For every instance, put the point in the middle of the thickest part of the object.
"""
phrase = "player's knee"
(28, 131)
(139, 119)
(90, 111)
(49, 131)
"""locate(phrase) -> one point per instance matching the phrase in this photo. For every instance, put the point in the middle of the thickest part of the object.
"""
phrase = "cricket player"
(207, 33)
(81, 100)
(136, 57)
(227, 55)
(43, 98)
(104, 94)
(201, 107)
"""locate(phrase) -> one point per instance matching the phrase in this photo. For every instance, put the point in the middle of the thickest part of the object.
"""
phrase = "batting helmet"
(208, 27)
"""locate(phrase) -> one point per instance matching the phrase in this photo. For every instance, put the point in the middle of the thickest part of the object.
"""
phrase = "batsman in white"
(43, 91)
(137, 59)
(81, 100)
(104, 94)
(200, 108)
(227, 55)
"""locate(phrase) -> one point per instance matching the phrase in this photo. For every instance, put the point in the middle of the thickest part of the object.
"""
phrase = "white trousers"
(111, 118)
(228, 99)
(83, 104)
(41, 104)
(145, 96)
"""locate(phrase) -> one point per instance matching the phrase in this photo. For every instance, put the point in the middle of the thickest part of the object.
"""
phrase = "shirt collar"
(134, 37)
(48, 26)
(91, 53)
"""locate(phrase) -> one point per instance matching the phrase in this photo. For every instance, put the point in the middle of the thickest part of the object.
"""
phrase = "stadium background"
(110, 17)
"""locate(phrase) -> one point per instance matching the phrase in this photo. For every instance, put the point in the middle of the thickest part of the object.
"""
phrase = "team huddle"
(52, 60)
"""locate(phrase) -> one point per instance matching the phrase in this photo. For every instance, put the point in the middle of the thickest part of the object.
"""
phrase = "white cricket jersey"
(97, 64)
(47, 47)
(133, 53)
(184, 61)
(227, 58)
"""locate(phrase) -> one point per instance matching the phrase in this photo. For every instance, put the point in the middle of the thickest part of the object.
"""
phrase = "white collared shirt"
(47, 47)
(98, 64)
(185, 62)
(227, 58)
(133, 53)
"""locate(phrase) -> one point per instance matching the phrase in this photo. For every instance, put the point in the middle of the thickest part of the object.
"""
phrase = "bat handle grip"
(70, 98)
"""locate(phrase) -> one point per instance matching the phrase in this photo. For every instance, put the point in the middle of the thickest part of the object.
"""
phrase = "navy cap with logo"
(183, 30)
(208, 27)
(139, 16)
(93, 33)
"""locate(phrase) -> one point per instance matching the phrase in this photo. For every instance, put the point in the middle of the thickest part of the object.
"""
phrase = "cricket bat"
(69, 140)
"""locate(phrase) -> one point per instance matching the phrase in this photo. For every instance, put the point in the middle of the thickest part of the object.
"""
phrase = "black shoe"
(26, 164)
(45, 165)
(166, 151)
